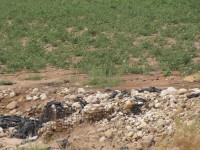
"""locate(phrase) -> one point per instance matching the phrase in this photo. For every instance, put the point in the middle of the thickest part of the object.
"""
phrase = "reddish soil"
(130, 81)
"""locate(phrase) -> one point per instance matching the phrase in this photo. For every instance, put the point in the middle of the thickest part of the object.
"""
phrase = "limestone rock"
(182, 91)
(12, 105)
(109, 133)
(81, 91)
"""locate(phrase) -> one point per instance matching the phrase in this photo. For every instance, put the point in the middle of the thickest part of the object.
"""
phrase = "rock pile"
(140, 116)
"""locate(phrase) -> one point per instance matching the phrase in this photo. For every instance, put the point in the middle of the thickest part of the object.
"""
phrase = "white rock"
(12, 112)
(12, 105)
(1, 130)
(43, 96)
(157, 105)
(72, 97)
(172, 104)
(134, 93)
(147, 141)
(81, 91)
(12, 94)
(81, 96)
(142, 125)
(104, 96)
(95, 101)
(168, 91)
(28, 97)
(128, 127)
(76, 105)
(35, 97)
(65, 91)
(35, 90)
(196, 91)
(160, 122)
(182, 91)
(11, 129)
(139, 134)
(102, 139)
(130, 134)
(109, 133)
(89, 98)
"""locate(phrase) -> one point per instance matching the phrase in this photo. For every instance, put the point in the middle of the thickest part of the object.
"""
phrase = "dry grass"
(186, 137)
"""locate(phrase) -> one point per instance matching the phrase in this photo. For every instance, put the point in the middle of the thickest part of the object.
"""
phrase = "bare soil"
(130, 81)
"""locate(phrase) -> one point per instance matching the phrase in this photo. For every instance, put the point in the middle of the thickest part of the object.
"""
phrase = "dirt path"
(52, 75)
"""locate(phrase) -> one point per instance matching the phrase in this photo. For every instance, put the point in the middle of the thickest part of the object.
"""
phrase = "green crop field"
(100, 37)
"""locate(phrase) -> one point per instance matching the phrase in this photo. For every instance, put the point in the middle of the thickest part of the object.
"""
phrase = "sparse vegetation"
(186, 136)
(103, 33)
(6, 82)
(34, 77)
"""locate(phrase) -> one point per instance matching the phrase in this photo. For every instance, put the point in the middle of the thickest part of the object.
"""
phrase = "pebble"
(43, 96)
(182, 91)
(77, 105)
(65, 91)
(130, 134)
(89, 98)
(73, 97)
(81, 91)
(35, 90)
(35, 97)
(12, 105)
(28, 97)
(12, 94)
(157, 105)
(142, 125)
(160, 123)
(109, 133)
(12, 112)
(168, 91)
(147, 141)
(102, 139)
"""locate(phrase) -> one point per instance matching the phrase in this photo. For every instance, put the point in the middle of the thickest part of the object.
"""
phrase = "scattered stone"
(12, 105)
(150, 114)
(12, 94)
(12, 112)
(35, 90)
(168, 91)
(102, 139)
(139, 146)
(147, 141)
(28, 98)
(43, 96)
(109, 133)
(73, 97)
(182, 91)
(65, 91)
(160, 123)
(157, 105)
(77, 105)
(35, 97)
(81, 91)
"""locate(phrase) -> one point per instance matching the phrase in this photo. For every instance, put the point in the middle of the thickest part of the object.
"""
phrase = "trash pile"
(137, 116)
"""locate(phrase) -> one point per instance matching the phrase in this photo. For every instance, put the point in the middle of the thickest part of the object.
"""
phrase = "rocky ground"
(57, 116)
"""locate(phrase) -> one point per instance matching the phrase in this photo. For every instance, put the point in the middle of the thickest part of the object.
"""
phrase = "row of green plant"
(102, 33)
